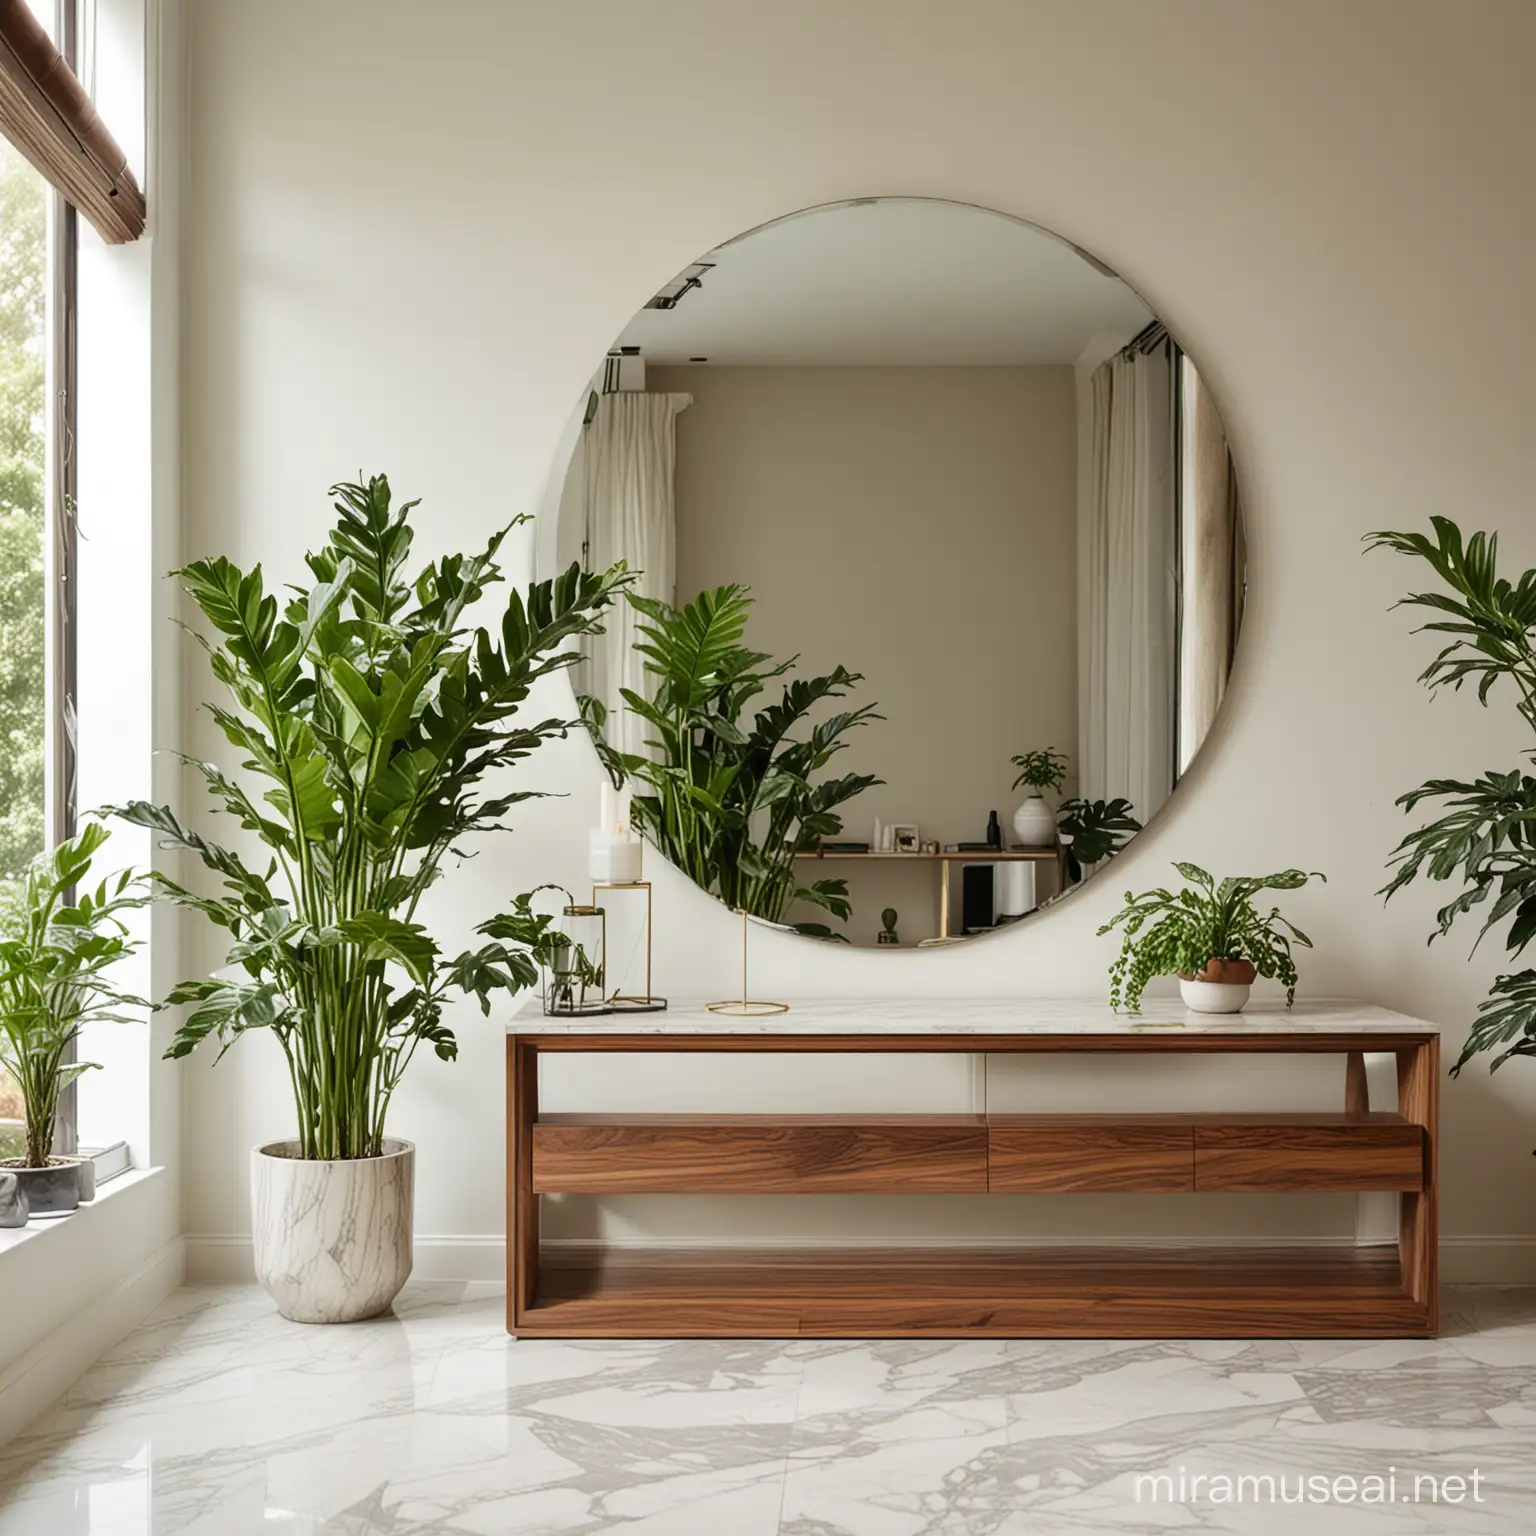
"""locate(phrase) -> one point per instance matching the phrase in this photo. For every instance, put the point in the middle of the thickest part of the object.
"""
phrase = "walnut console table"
(1145, 1291)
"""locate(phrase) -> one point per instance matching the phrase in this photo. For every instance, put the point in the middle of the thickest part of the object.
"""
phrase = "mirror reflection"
(941, 569)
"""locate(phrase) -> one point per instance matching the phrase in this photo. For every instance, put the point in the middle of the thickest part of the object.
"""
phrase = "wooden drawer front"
(773, 1155)
(1032, 1154)
(1281, 1157)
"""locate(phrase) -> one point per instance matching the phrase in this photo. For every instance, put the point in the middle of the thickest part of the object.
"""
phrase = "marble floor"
(217, 1418)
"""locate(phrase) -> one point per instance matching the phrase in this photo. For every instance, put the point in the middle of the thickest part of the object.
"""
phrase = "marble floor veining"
(217, 1418)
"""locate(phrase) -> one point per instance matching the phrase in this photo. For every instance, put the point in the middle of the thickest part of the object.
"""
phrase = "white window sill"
(40, 1226)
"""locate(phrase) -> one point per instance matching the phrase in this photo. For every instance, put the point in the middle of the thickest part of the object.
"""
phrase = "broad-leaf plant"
(732, 794)
(1174, 933)
(58, 951)
(374, 723)
(1096, 829)
(1485, 837)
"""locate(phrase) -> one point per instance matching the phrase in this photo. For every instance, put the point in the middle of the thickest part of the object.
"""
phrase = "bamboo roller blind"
(46, 114)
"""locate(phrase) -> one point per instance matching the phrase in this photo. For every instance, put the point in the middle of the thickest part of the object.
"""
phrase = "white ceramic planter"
(1214, 996)
(1034, 824)
(332, 1239)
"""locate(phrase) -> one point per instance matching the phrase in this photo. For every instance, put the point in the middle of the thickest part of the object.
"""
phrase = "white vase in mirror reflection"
(1033, 824)
(1214, 996)
(332, 1237)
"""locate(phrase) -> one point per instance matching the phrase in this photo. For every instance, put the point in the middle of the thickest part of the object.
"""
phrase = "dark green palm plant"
(371, 712)
(1174, 933)
(57, 955)
(729, 797)
(1486, 838)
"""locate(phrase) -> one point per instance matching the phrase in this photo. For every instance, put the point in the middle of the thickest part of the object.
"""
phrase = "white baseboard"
(1500, 1260)
(228, 1260)
(1474, 1260)
(46, 1372)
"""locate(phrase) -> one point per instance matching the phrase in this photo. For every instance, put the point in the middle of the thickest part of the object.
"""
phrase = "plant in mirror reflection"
(370, 711)
(1486, 837)
(1175, 933)
(1096, 829)
(728, 797)
(1042, 770)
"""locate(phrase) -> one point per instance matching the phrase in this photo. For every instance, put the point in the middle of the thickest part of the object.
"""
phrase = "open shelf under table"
(1190, 1292)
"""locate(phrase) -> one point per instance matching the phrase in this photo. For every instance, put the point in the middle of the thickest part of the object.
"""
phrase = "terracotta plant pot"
(1219, 986)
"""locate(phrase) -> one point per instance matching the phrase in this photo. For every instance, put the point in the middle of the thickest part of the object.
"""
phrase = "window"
(24, 200)
(37, 246)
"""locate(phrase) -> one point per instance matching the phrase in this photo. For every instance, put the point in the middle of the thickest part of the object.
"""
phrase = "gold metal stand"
(620, 1002)
(746, 1007)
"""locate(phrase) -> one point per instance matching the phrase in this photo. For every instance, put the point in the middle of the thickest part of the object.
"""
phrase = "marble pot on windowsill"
(1219, 986)
(332, 1238)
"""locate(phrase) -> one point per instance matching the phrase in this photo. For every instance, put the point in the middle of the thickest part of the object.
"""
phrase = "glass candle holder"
(573, 975)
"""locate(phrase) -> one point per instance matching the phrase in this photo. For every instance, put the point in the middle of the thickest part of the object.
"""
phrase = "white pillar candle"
(614, 857)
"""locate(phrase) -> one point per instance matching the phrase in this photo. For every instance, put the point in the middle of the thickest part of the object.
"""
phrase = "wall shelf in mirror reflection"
(946, 487)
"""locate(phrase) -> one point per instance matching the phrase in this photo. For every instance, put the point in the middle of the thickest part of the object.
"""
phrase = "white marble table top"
(986, 1016)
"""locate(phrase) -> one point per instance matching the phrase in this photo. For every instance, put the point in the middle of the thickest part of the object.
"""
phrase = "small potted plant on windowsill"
(1034, 824)
(56, 960)
(1211, 937)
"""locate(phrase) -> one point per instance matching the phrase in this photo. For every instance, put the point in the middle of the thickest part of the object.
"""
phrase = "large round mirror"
(941, 568)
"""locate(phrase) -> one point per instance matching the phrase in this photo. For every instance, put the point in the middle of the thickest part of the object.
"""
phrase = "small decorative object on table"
(572, 952)
(629, 1002)
(746, 1006)
(56, 960)
(888, 934)
(930, 846)
(994, 831)
(905, 838)
(1033, 823)
(1211, 937)
(615, 852)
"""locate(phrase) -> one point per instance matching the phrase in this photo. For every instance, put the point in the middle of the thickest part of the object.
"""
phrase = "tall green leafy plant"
(368, 713)
(1485, 838)
(57, 960)
(732, 797)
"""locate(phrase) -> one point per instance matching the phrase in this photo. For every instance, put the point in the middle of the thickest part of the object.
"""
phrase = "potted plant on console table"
(56, 959)
(1212, 937)
(371, 712)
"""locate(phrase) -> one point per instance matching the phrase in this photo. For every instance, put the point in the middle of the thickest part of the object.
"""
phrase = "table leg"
(522, 1203)
(1418, 1100)
(1357, 1090)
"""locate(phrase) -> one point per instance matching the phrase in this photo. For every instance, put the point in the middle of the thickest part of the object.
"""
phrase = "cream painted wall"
(1316, 196)
(917, 525)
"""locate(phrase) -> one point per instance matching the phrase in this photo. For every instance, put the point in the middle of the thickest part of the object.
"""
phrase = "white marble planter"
(332, 1239)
